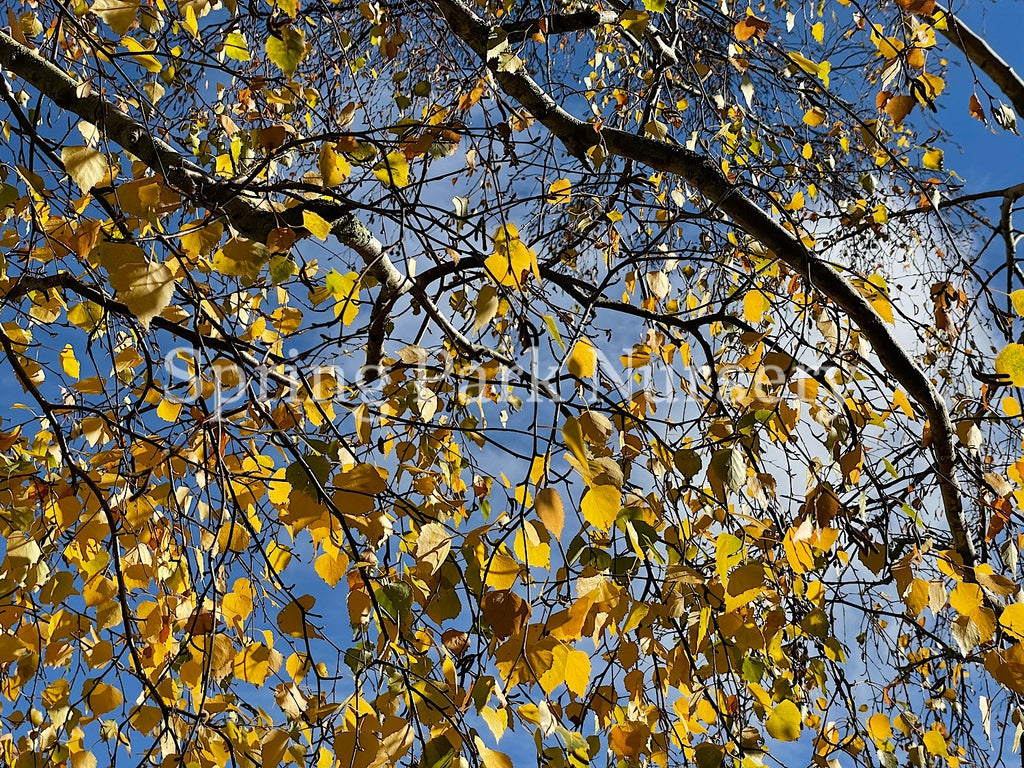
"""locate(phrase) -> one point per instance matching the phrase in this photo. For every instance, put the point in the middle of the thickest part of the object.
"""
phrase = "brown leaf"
(505, 611)
(456, 641)
(920, 7)
(749, 27)
(975, 109)
(898, 107)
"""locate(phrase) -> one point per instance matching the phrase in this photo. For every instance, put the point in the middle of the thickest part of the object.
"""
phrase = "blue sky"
(988, 160)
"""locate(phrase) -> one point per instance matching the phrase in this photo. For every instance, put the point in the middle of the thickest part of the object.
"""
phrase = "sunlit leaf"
(287, 49)
(784, 722)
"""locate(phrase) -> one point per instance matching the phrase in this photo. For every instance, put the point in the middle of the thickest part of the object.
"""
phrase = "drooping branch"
(241, 211)
(704, 175)
(981, 54)
(195, 183)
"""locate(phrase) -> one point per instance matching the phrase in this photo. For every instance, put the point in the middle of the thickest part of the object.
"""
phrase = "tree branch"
(701, 172)
(244, 214)
(191, 180)
(981, 54)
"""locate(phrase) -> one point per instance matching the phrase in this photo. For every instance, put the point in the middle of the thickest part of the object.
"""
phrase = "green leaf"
(281, 268)
(8, 194)
(438, 753)
(235, 47)
(287, 50)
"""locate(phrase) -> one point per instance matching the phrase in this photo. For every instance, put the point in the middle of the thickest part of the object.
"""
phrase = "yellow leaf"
(331, 567)
(278, 557)
(883, 307)
(255, 663)
(241, 258)
(814, 116)
(933, 85)
(755, 304)
(232, 537)
(821, 71)
(393, 170)
(502, 571)
(512, 260)
(784, 722)
(491, 758)
(818, 32)
(118, 14)
(549, 508)
(333, 166)
(200, 240)
(583, 360)
(629, 740)
(879, 727)
(345, 289)
(966, 598)
(85, 166)
(169, 410)
(291, 618)
(318, 226)
(497, 720)
(1011, 407)
(69, 362)
(635, 22)
(932, 160)
(934, 742)
(145, 287)
(235, 47)
(288, 49)
(104, 698)
(1012, 620)
(1017, 298)
(600, 506)
(238, 604)
(141, 54)
(560, 192)
(901, 401)
(577, 672)
(1010, 363)
(190, 22)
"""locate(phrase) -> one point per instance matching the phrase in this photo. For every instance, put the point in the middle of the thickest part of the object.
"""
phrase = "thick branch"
(982, 55)
(702, 172)
(561, 23)
(244, 214)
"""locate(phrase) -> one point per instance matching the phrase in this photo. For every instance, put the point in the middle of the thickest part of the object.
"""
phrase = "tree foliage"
(434, 383)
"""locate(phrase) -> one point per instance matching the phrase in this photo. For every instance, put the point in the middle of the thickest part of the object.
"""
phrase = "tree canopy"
(455, 383)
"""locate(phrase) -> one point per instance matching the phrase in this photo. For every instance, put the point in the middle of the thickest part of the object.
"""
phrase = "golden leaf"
(583, 359)
(600, 506)
(784, 722)
(549, 508)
